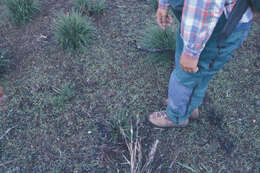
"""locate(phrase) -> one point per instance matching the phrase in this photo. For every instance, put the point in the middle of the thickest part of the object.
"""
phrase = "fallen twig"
(6, 132)
(187, 167)
(8, 162)
(150, 158)
(240, 119)
(151, 50)
(176, 154)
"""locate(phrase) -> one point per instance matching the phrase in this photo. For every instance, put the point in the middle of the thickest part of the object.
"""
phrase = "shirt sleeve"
(163, 4)
(199, 18)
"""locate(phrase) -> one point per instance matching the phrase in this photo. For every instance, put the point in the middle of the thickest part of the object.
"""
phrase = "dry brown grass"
(135, 150)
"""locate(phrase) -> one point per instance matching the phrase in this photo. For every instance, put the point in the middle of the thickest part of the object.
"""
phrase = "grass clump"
(160, 43)
(92, 7)
(64, 95)
(21, 11)
(72, 31)
(119, 120)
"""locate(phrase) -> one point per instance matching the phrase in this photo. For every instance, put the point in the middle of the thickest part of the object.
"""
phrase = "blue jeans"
(187, 90)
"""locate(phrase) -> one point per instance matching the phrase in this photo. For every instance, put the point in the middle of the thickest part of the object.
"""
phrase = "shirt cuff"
(164, 6)
(190, 53)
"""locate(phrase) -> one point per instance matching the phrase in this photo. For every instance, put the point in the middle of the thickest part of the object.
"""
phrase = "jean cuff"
(174, 117)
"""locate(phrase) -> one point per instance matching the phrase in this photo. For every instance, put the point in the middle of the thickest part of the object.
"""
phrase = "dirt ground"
(62, 109)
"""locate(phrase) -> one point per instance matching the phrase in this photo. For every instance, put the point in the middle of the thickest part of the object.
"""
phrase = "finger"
(169, 19)
(159, 19)
(185, 68)
(193, 70)
(182, 67)
(196, 70)
(189, 70)
(159, 22)
(164, 18)
(168, 22)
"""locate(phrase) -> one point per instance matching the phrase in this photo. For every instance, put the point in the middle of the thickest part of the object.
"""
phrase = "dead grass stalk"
(135, 150)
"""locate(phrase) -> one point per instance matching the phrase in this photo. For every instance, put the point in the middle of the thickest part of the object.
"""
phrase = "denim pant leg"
(187, 90)
(224, 53)
(180, 89)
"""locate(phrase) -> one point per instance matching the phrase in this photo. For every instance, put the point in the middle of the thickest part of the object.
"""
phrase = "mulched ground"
(64, 108)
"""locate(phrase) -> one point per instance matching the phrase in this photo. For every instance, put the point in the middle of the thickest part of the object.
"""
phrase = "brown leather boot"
(160, 119)
(194, 115)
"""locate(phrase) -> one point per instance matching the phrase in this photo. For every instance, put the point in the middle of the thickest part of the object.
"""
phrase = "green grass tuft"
(92, 7)
(162, 42)
(64, 95)
(73, 32)
(21, 11)
(117, 121)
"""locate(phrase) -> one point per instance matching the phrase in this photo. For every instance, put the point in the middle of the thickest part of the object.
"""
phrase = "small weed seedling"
(73, 32)
(64, 95)
(92, 7)
(21, 11)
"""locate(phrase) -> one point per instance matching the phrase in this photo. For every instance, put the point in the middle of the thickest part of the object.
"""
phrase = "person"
(198, 56)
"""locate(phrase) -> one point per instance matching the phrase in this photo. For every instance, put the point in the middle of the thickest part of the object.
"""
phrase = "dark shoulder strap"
(233, 19)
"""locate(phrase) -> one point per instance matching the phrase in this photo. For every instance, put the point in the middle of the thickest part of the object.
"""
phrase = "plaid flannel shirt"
(199, 19)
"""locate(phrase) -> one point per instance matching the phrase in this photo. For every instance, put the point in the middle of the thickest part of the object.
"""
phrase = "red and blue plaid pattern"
(199, 19)
(163, 4)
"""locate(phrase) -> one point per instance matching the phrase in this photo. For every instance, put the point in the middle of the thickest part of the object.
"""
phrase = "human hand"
(163, 19)
(189, 64)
